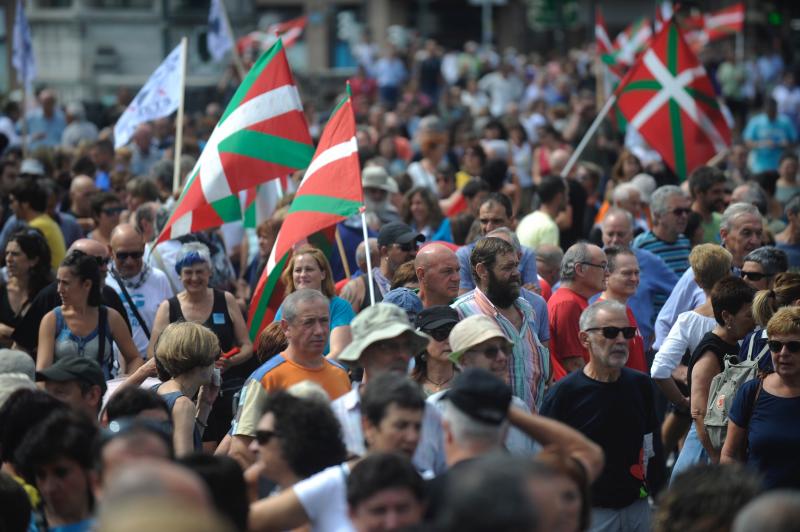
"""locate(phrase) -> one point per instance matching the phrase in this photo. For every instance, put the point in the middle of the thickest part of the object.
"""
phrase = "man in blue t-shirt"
(768, 135)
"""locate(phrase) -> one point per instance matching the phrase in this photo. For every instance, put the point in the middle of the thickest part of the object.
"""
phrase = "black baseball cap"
(480, 395)
(398, 233)
(436, 316)
(74, 369)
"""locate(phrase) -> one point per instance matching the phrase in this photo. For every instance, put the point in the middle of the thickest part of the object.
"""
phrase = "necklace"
(439, 384)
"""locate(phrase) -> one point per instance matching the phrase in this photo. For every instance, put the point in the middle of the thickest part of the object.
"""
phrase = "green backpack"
(723, 389)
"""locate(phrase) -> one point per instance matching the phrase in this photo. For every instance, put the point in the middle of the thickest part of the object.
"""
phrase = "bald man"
(437, 271)
(81, 190)
(26, 335)
(141, 287)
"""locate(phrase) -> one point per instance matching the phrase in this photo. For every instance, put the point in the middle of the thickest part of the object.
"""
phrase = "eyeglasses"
(125, 255)
(113, 211)
(263, 437)
(777, 346)
(410, 246)
(754, 276)
(602, 265)
(681, 212)
(439, 334)
(490, 352)
(612, 332)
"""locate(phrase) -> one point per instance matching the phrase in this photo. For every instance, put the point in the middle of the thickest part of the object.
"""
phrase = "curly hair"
(34, 246)
(309, 433)
(435, 215)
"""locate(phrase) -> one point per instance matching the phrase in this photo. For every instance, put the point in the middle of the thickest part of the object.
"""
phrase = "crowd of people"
(612, 349)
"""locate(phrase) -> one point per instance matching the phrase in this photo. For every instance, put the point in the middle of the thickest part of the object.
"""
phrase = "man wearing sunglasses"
(762, 265)
(106, 208)
(670, 208)
(141, 287)
(614, 407)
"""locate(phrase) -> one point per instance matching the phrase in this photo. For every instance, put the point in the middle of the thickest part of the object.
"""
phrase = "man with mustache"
(614, 407)
(495, 270)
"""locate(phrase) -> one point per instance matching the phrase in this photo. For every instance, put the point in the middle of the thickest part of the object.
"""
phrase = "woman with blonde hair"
(785, 292)
(187, 352)
(309, 268)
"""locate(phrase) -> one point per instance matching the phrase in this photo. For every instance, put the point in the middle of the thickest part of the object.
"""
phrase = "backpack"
(723, 389)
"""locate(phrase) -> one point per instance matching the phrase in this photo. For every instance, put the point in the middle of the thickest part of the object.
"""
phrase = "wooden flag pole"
(588, 136)
(176, 171)
(342, 253)
(237, 60)
(369, 258)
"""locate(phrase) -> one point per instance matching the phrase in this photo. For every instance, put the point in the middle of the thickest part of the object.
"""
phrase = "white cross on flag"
(668, 97)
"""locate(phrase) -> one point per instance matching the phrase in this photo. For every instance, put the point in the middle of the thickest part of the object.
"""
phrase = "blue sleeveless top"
(170, 399)
(69, 344)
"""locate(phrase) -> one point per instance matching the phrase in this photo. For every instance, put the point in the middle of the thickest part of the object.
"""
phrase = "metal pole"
(369, 258)
(176, 171)
(589, 134)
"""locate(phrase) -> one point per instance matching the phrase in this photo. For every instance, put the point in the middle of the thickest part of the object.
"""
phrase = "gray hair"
(623, 192)
(576, 254)
(589, 315)
(468, 430)
(777, 511)
(792, 206)
(734, 211)
(756, 195)
(304, 295)
(509, 233)
(661, 197)
(192, 253)
(772, 259)
(549, 254)
(616, 211)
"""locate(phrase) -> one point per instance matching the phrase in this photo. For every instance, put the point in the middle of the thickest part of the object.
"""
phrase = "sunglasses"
(410, 246)
(681, 212)
(264, 436)
(777, 346)
(440, 334)
(612, 332)
(125, 255)
(113, 211)
(754, 276)
(490, 352)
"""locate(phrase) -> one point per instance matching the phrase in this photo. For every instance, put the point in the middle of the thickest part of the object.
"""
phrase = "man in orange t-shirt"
(306, 326)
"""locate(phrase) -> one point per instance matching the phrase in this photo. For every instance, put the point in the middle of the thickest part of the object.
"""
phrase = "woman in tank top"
(81, 325)
(218, 311)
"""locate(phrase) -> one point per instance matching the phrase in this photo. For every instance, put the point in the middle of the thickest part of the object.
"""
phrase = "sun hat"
(380, 322)
(472, 331)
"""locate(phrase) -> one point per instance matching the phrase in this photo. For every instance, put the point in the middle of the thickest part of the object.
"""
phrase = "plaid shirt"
(529, 366)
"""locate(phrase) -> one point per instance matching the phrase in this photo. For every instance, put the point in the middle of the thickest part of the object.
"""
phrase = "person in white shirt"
(141, 287)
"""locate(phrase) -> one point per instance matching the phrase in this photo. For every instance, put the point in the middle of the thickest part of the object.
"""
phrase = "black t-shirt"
(26, 333)
(616, 416)
(715, 344)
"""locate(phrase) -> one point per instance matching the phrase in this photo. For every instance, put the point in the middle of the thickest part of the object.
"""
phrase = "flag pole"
(588, 136)
(176, 170)
(342, 253)
(369, 258)
(237, 60)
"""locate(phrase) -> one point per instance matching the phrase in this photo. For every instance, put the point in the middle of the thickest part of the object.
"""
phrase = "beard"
(501, 294)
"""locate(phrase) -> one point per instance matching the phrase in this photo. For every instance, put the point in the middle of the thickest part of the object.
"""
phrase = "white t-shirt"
(168, 254)
(686, 333)
(147, 299)
(324, 499)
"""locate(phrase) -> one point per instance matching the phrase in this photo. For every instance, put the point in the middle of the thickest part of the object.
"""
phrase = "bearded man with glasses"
(614, 407)
(141, 287)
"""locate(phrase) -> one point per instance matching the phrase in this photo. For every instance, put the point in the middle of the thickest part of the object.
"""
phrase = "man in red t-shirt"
(584, 271)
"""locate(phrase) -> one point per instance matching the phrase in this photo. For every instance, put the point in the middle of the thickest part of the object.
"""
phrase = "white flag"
(22, 57)
(218, 40)
(159, 97)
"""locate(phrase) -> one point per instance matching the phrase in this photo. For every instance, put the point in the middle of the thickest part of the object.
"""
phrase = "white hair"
(588, 318)
(623, 192)
(734, 211)
(467, 430)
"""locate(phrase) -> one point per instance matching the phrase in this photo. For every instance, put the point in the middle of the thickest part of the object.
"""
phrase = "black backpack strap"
(131, 304)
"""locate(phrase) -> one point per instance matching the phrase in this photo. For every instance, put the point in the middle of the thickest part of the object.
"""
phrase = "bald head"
(155, 478)
(90, 247)
(125, 235)
(127, 250)
(617, 228)
(80, 194)
(437, 269)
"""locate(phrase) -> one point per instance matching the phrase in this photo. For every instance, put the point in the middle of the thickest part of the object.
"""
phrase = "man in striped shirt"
(670, 208)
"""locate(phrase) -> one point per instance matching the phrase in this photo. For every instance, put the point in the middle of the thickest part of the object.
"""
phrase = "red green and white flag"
(668, 97)
(632, 41)
(702, 29)
(605, 48)
(262, 135)
(329, 193)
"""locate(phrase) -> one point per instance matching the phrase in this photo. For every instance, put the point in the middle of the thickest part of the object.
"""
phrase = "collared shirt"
(383, 283)
(655, 279)
(685, 296)
(429, 455)
(529, 366)
(52, 128)
(527, 267)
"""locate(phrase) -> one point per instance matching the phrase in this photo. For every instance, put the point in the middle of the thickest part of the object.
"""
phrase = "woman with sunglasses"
(784, 292)
(106, 209)
(28, 270)
(433, 369)
(621, 285)
(764, 420)
(82, 325)
(309, 268)
(186, 354)
(731, 300)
